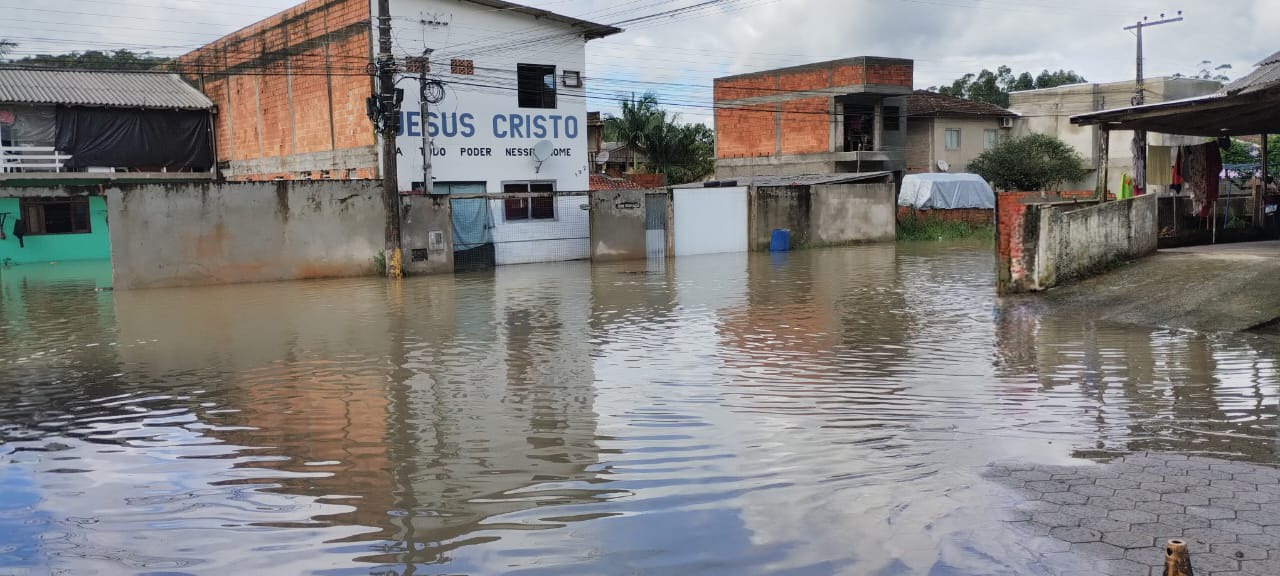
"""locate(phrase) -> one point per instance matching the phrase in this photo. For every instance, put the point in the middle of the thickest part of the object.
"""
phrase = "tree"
(684, 152)
(6, 46)
(1036, 162)
(1208, 71)
(96, 60)
(633, 127)
(994, 87)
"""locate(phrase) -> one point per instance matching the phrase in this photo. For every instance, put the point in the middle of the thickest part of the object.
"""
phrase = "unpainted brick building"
(837, 116)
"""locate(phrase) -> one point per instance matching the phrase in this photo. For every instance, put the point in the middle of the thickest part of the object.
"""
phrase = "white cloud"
(678, 57)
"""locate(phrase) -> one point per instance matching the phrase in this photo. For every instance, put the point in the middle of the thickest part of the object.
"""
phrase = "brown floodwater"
(820, 412)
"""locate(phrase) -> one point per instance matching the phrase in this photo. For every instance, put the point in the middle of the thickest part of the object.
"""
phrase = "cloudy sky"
(678, 56)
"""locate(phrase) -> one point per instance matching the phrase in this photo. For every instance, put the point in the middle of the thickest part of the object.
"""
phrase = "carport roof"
(1250, 105)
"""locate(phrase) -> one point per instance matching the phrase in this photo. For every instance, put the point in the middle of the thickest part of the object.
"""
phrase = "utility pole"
(389, 107)
(1140, 98)
(424, 102)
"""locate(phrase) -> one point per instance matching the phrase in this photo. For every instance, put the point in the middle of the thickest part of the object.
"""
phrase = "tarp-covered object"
(130, 138)
(946, 192)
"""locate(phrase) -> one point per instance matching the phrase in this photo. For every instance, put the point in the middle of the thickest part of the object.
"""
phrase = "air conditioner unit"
(1006, 122)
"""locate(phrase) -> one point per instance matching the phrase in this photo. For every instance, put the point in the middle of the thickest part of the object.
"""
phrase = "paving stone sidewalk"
(1115, 518)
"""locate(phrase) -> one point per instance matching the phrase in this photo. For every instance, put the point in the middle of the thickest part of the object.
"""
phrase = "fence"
(31, 158)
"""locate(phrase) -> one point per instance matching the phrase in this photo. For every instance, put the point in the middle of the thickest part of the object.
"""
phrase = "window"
(953, 138)
(536, 85)
(535, 208)
(989, 138)
(572, 79)
(56, 216)
(892, 118)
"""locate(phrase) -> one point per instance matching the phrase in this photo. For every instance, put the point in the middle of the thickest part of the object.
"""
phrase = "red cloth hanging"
(1212, 172)
(1177, 169)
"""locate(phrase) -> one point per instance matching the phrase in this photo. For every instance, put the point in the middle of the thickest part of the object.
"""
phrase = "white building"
(514, 84)
(1049, 111)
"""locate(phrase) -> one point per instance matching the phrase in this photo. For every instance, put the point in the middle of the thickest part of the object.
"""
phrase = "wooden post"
(1104, 162)
(1259, 194)
(1177, 561)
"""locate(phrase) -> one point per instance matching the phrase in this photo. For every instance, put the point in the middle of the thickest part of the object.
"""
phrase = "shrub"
(1036, 162)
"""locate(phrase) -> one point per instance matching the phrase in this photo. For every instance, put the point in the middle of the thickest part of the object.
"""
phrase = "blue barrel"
(780, 241)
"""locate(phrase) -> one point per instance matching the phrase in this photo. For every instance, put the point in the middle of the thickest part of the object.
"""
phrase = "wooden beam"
(1104, 158)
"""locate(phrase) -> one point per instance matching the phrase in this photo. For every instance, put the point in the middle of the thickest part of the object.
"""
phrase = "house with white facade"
(511, 118)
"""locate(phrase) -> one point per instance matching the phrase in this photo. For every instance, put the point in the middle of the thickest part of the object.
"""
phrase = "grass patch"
(913, 230)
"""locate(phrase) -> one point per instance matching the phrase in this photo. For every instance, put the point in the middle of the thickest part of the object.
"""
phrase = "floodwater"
(821, 412)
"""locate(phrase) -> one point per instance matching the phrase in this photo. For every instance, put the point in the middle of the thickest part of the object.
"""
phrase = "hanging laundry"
(1159, 166)
(1212, 175)
(1126, 187)
(20, 230)
(1193, 171)
(1177, 181)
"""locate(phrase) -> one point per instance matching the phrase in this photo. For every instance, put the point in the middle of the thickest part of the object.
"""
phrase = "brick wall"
(806, 126)
(1011, 246)
(750, 108)
(746, 131)
(290, 91)
(973, 216)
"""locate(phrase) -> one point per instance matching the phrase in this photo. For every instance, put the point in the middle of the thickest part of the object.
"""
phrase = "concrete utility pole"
(424, 108)
(389, 105)
(1140, 98)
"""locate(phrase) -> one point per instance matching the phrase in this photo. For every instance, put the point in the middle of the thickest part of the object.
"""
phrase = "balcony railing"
(31, 159)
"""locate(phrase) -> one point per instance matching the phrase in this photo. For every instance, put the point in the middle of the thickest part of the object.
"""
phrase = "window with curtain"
(953, 138)
(990, 137)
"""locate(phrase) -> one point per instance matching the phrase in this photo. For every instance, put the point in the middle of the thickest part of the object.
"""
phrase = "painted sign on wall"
(486, 138)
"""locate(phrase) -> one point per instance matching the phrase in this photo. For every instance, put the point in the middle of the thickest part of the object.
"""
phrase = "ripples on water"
(812, 413)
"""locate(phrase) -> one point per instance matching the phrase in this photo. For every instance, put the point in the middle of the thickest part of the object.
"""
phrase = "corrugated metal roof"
(1266, 75)
(99, 88)
(797, 180)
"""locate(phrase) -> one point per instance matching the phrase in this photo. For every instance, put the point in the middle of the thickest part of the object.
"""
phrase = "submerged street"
(863, 410)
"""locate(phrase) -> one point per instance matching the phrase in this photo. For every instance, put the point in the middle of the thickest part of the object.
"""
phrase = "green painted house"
(65, 133)
(57, 229)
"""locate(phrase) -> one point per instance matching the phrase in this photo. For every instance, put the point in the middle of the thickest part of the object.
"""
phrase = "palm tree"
(633, 127)
(6, 46)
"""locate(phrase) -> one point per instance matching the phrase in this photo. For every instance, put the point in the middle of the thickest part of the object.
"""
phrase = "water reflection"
(816, 412)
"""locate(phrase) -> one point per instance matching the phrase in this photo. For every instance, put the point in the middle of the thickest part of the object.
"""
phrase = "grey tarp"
(31, 126)
(946, 191)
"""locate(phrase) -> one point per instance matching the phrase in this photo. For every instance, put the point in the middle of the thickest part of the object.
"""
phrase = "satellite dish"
(541, 151)
(602, 157)
(944, 166)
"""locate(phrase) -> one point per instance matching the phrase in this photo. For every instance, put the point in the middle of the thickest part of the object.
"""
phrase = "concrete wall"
(94, 245)
(617, 225)
(1041, 245)
(565, 237)
(187, 234)
(823, 215)
(425, 216)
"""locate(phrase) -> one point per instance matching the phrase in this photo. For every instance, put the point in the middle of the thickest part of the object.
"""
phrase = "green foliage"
(914, 230)
(96, 60)
(994, 87)
(684, 152)
(380, 263)
(1036, 162)
(6, 46)
(1209, 71)
(1238, 153)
